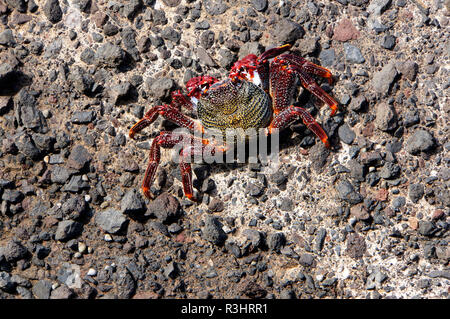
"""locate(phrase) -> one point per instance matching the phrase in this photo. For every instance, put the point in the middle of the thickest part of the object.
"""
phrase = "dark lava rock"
(327, 57)
(110, 55)
(420, 141)
(408, 69)
(81, 80)
(26, 146)
(346, 134)
(347, 193)
(7, 38)
(53, 11)
(215, 7)
(207, 39)
(19, 5)
(213, 232)
(275, 241)
(427, 228)
(254, 291)
(171, 34)
(319, 155)
(353, 54)
(166, 208)
(6, 282)
(79, 157)
(259, 5)
(161, 88)
(287, 31)
(111, 221)
(132, 203)
(416, 192)
(82, 117)
(388, 42)
(27, 114)
(356, 246)
(306, 260)
(14, 251)
(68, 229)
(389, 170)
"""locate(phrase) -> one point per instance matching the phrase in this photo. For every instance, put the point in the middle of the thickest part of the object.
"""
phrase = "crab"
(257, 94)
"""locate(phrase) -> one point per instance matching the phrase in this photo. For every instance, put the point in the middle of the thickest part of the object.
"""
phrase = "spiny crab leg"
(290, 64)
(168, 112)
(293, 113)
(169, 140)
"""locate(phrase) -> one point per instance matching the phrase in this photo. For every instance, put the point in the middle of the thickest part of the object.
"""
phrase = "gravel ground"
(368, 218)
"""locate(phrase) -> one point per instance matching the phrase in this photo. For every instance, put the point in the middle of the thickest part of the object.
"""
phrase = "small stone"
(356, 246)
(386, 117)
(327, 57)
(275, 241)
(79, 157)
(216, 205)
(215, 7)
(346, 134)
(42, 289)
(132, 203)
(416, 192)
(383, 79)
(171, 270)
(389, 170)
(111, 221)
(82, 117)
(27, 114)
(306, 260)
(171, 34)
(376, 7)
(259, 5)
(409, 69)
(161, 88)
(420, 141)
(166, 208)
(427, 228)
(68, 229)
(207, 39)
(388, 42)
(287, 31)
(347, 193)
(14, 251)
(359, 212)
(62, 292)
(353, 54)
(110, 55)
(213, 232)
(6, 283)
(7, 38)
(345, 31)
(19, 5)
(205, 58)
(53, 11)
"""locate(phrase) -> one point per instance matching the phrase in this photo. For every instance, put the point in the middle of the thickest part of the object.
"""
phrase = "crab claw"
(199, 85)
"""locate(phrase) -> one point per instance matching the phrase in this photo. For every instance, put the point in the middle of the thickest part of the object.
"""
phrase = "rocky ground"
(368, 218)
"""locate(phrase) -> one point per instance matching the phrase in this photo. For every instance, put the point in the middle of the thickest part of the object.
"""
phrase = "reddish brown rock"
(345, 31)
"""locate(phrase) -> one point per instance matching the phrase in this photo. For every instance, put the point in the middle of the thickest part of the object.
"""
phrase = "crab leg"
(308, 66)
(167, 140)
(179, 100)
(281, 87)
(299, 66)
(271, 53)
(292, 113)
(168, 112)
